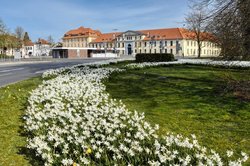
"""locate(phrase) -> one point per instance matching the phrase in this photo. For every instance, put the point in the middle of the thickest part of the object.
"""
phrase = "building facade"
(85, 42)
(39, 48)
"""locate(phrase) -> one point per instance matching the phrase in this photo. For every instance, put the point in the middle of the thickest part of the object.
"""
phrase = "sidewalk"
(3, 63)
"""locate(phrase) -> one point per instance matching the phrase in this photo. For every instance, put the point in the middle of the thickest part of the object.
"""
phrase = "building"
(42, 48)
(28, 48)
(85, 42)
(39, 48)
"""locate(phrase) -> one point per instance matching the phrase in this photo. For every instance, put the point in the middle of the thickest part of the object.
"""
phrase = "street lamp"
(39, 48)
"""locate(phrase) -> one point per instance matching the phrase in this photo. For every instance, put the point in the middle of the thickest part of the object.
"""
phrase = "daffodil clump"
(74, 121)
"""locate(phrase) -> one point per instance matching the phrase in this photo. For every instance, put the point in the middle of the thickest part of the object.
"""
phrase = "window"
(166, 43)
(135, 51)
(171, 43)
(145, 51)
(140, 50)
(135, 44)
(188, 51)
(150, 51)
(155, 43)
(187, 43)
(145, 44)
(171, 51)
(155, 51)
(166, 51)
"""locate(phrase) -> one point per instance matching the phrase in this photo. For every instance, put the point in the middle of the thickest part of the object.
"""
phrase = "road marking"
(8, 70)
(5, 74)
(41, 71)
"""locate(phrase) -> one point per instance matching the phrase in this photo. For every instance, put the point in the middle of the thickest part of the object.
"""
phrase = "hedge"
(154, 57)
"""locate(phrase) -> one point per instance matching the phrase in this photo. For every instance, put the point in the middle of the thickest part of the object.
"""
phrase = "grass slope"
(13, 100)
(186, 99)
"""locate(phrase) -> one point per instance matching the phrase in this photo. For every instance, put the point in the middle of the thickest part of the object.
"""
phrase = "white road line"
(5, 74)
(41, 71)
(8, 70)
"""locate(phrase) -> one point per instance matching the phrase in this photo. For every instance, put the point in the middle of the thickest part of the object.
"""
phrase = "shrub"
(3, 56)
(154, 57)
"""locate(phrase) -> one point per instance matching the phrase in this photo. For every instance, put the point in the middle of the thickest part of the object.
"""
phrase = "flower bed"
(192, 61)
(73, 121)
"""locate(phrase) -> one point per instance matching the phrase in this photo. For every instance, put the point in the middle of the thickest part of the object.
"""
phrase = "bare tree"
(196, 23)
(19, 32)
(3, 28)
(50, 39)
(230, 22)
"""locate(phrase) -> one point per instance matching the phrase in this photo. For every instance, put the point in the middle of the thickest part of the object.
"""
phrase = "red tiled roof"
(28, 43)
(187, 34)
(42, 41)
(152, 34)
(162, 34)
(106, 37)
(81, 31)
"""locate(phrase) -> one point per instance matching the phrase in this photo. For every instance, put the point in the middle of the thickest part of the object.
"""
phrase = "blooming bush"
(73, 121)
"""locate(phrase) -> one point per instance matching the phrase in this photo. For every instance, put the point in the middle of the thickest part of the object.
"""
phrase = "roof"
(28, 43)
(82, 31)
(151, 34)
(162, 34)
(187, 34)
(42, 41)
(106, 37)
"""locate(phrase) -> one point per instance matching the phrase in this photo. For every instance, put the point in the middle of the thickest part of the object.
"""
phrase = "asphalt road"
(15, 72)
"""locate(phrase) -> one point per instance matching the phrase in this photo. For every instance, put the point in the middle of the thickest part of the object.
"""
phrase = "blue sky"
(41, 18)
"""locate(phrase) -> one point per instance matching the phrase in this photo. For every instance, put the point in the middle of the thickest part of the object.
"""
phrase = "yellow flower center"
(88, 151)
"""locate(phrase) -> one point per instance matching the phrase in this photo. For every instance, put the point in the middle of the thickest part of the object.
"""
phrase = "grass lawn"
(13, 100)
(187, 99)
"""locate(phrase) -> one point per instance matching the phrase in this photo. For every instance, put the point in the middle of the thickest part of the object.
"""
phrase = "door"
(129, 49)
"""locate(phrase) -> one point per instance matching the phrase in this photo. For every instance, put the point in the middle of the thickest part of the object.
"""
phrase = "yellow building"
(178, 41)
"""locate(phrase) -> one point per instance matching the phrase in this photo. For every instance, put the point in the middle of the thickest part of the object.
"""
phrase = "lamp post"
(39, 48)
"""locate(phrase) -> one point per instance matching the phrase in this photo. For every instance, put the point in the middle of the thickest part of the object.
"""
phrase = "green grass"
(13, 101)
(186, 99)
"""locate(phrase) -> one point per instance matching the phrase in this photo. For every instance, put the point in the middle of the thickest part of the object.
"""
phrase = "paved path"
(17, 71)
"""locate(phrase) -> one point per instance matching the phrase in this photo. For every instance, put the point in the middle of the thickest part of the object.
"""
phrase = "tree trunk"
(199, 48)
(244, 11)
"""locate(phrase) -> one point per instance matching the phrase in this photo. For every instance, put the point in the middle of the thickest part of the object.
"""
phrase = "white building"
(39, 48)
